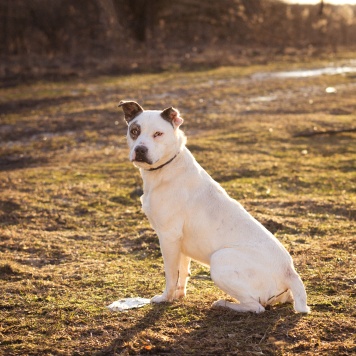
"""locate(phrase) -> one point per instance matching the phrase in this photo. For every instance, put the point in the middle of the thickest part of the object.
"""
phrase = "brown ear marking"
(169, 114)
(131, 109)
(172, 116)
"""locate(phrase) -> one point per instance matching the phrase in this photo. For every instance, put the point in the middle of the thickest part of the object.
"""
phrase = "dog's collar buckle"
(162, 165)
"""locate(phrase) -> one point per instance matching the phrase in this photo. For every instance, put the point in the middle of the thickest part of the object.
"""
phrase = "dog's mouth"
(142, 160)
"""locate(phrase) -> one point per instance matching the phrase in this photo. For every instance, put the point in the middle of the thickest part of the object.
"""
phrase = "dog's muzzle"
(141, 154)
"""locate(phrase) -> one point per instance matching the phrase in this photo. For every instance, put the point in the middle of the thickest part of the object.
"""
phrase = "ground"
(73, 238)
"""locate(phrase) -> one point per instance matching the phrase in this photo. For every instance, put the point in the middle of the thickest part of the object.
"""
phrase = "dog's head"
(153, 136)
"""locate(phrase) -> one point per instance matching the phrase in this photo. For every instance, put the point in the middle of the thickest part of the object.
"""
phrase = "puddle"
(264, 99)
(305, 73)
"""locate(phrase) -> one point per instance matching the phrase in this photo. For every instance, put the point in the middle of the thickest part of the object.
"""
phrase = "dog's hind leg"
(252, 306)
(226, 274)
(284, 297)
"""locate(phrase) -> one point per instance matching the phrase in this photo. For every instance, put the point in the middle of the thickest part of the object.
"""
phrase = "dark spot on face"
(135, 131)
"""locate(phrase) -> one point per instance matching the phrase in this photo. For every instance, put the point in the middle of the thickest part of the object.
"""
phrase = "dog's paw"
(159, 299)
(219, 304)
(304, 310)
(180, 293)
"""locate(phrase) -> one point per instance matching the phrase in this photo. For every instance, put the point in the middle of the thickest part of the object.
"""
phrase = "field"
(73, 238)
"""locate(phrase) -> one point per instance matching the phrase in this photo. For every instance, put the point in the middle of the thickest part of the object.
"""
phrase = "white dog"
(196, 219)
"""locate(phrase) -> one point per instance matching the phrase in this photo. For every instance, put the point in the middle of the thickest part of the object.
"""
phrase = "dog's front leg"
(184, 274)
(171, 258)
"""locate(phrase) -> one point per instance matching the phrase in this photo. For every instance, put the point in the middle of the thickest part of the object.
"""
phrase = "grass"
(73, 237)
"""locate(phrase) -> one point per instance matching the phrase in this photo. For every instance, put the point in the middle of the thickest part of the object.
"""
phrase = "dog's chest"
(161, 206)
(152, 214)
(153, 207)
(145, 202)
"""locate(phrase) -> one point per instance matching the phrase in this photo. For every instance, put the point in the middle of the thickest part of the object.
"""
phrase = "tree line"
(65, 26)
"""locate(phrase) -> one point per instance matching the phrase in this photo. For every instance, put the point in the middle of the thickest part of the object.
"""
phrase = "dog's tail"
(299, 294)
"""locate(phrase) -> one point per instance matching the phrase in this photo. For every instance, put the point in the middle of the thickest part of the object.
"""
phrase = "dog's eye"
(158, 134)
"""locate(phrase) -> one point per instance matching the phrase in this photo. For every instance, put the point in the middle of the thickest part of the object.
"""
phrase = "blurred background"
(50, 38)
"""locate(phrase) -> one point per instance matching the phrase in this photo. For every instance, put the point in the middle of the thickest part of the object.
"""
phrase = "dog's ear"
(172, 116)
(131, 109)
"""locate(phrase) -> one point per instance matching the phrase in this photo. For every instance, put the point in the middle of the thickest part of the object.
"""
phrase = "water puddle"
(263, 99)
(305, 73)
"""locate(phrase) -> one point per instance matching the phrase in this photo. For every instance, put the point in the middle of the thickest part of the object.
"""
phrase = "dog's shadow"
(122, 342)
(216, 331)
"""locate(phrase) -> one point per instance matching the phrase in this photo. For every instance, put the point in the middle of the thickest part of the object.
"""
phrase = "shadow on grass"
(18, 106)
(90, 119)
(122, 342)
(10, 163)
(206, 332)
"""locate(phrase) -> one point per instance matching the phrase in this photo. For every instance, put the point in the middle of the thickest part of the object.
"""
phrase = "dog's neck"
(164, 164)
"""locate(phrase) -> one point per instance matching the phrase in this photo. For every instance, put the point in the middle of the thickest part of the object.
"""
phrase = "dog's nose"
(141, 152)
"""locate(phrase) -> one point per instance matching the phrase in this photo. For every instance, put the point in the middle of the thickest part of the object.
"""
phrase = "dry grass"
(73, 237)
